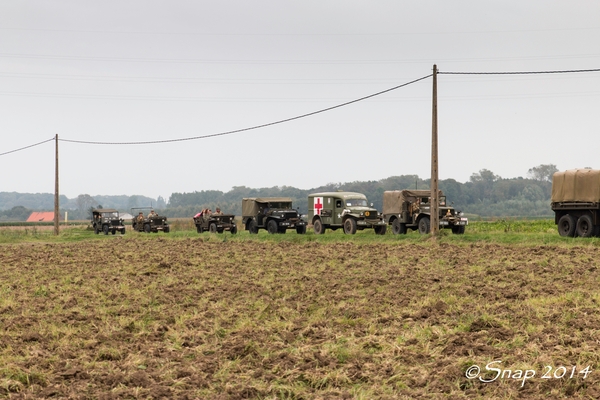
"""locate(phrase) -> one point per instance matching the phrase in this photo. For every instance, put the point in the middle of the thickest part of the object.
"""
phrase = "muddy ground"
(201, 318)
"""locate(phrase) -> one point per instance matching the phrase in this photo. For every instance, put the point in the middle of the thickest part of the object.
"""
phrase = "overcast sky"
(129, 71)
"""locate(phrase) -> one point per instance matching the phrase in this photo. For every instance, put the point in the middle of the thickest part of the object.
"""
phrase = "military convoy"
(215, 223)
(411, 209)
(148, 223)
(575, 201)
(347, 210)
(275, 214)
(107, 220)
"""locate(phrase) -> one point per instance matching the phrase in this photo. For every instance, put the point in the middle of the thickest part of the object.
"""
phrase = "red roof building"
(42, 217)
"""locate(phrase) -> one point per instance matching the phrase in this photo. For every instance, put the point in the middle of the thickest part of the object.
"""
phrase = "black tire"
(380, 230)
(114, 231)
(424, 225)
(350, 226)
(318, 227)
(252, 228)
(212, 228)
(458, 229)
(398, 228)
(585, 226)
(147, 228)
(282, 230)
(233, 230)
(122, 231)
(105, 229)
(167, 229)
(301, 230)
(199, 229)
(566, 226)
(272, 227)
(96, 230)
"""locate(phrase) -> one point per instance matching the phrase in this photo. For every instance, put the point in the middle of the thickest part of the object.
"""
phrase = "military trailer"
(148, 223)
(275, 214)
(347, 210)
(411, 209)
(215, 223)
(576, 202)
(107, 220)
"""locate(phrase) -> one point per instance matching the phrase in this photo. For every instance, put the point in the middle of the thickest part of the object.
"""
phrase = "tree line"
(485, 194)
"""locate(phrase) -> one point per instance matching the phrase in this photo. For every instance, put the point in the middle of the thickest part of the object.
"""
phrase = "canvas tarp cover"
(392, 200)
(250, 206)
(576, 185)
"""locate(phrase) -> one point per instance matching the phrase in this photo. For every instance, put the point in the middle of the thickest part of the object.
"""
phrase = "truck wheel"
(380, 230)
(272, 227)
(105, 229)
(252, 228)
(566, 226)
(301, 230)
(398, 228)
(147, 228)
(114, 231)
(424, 225)
(199, 229)
(585, 226)
(122, 231)
(167, 229)
(318, 227)
(458, 229)
(96, 230)
(350, 226)
(212, 228)
(233, 230)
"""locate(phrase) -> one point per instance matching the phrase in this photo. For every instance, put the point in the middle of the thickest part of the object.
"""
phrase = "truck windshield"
(356, 203)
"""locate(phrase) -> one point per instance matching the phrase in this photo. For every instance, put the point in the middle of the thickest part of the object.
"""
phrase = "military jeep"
(411, 209)
(215, 223)
(347, 210)
(107, 220)
(275, 214)
(148, 223)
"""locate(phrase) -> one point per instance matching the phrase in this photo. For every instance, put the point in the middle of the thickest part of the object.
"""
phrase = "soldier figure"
(218, 212)
(152, 214)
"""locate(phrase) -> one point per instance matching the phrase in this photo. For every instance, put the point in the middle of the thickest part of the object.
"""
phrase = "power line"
(27, 147)
(521, 72)
(253, 127)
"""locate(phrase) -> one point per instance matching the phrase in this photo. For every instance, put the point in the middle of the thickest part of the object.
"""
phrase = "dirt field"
(204, 318)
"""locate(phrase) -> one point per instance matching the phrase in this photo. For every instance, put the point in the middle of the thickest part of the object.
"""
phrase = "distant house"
(42, 216)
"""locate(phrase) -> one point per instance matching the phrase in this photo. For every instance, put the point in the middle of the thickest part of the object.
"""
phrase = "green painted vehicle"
(347, 210)
(275, 214)
(107, 220)
(411, 209)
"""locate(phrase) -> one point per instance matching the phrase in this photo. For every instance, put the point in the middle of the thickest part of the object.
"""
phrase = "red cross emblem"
(318, 205)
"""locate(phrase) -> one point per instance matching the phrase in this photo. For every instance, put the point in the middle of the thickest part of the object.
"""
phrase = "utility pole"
(56, 205)
(435, 216)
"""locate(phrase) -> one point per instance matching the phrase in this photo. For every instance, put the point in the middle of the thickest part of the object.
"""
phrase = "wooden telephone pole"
(56, 205)
(435, 216)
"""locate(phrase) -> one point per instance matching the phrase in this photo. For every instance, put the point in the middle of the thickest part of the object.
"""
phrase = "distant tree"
(84, 202)
(485, 176)
(542, 172)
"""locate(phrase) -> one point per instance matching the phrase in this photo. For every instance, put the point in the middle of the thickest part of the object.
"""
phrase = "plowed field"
(203, 318)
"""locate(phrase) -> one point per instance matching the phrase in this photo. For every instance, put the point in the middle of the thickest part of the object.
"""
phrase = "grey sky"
(116, 71)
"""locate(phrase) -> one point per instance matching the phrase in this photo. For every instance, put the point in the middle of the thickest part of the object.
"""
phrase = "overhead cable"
(27, 147)
(253, 127)
(520, 72)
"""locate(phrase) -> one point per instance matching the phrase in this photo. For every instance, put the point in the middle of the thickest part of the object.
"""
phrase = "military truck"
(148, 223)
(275, 214)
(576, 202)
(215, 223)
(347, 210)
(411, 209)
(107, 220)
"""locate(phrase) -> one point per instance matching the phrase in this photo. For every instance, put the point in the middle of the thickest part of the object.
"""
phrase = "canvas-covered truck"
(411, 209)
(347, 210)
(107, 220)
(576, 202)
(275, 214)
